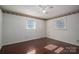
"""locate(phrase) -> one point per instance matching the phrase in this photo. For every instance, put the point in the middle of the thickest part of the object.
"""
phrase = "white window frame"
(30, 23)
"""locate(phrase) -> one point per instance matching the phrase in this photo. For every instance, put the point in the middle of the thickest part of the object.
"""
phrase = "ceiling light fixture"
(44, 11)
(45, 8)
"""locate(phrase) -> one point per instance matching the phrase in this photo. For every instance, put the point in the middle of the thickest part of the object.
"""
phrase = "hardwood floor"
(38, 45)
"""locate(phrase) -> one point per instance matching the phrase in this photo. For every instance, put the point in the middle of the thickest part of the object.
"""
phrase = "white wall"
(0, 29)
(14, 29)
(70, 35)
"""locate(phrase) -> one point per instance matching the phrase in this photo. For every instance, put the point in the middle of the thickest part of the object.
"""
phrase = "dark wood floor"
(39, 44)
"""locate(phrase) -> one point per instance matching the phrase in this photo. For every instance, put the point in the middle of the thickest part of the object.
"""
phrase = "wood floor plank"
(38, 45)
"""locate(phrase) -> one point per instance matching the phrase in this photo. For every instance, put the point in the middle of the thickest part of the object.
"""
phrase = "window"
(30, 24)
(61, 23)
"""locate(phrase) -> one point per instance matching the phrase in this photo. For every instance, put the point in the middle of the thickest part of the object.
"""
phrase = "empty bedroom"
(39, 29)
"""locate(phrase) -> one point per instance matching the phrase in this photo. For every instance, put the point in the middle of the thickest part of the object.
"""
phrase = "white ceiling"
(36, 11)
